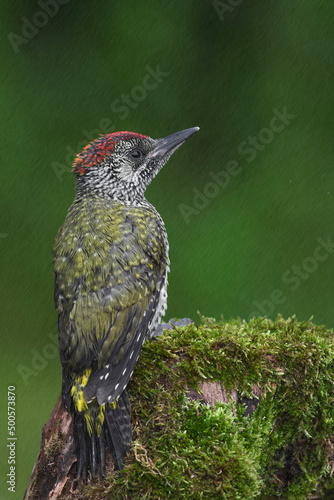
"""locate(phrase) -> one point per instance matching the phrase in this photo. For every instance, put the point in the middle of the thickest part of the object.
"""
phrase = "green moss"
(186, 449)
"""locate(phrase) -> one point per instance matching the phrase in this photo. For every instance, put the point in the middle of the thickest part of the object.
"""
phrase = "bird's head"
(121, 165)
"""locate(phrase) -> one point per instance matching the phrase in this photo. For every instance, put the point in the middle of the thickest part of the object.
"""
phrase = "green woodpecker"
(110, 266)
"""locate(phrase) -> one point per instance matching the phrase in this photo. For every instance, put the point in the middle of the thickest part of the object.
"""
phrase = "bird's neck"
(123, 196)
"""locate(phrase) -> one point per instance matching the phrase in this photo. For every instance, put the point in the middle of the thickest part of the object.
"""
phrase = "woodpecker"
(110, 263)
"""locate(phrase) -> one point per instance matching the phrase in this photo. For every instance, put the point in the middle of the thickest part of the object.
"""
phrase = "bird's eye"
(136, 154)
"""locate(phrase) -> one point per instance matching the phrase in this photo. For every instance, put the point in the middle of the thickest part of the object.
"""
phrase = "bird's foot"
(170, 325)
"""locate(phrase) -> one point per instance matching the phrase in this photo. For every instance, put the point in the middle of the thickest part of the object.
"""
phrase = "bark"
(54, 468)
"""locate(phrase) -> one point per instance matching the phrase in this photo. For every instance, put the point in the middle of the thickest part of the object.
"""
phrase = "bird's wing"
(122, 344)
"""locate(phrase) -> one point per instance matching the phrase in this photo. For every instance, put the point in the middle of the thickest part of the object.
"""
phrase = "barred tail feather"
(81, 439)
(92, 434)
(119, 429)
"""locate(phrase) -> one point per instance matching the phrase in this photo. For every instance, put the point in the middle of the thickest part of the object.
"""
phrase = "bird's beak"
(171, 142)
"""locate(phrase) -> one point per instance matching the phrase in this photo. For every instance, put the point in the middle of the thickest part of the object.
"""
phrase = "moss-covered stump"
(264, 427)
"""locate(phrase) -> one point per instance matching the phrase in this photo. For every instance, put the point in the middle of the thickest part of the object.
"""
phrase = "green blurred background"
(229, 70)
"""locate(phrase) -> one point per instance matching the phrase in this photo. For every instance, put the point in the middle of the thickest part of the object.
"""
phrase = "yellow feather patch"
(99, 420)
(78, 398)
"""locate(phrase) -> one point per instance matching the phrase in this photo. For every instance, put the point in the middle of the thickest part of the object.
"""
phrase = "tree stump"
(228, 410)
(54, 472)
